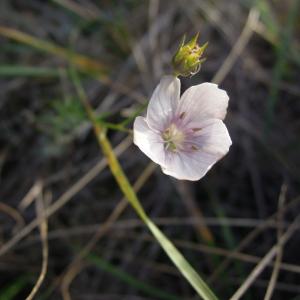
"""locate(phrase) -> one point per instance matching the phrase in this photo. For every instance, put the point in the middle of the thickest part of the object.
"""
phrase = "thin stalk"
(177, 258)
(81, 61)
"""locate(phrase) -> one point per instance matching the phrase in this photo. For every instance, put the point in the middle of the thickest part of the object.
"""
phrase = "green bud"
(187, 60)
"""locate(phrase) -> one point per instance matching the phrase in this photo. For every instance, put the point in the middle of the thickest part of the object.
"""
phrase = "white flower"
(185, 136)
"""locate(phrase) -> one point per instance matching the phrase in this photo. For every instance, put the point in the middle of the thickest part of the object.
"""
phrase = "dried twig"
(202, 229)
(264, 262)
(13, 213)
(238, 47)
(75, 266)
(43, 226)
(248, 239)
(278, 259)
(65, 197)
(34, 192)
(211, 250)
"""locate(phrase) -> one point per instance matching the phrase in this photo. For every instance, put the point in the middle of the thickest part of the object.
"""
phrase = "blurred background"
(51, 168)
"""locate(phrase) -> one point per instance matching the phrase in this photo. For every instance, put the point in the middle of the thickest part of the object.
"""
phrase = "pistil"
(173, 138)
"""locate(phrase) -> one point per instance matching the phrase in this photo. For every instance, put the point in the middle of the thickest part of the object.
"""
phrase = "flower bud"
(187, 60)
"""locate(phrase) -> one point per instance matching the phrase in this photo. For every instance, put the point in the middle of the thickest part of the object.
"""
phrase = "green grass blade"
(181, 263)
(228, 237)
(176, 257)
(130, 280)
(10, 292)
(24, 71)
(282, 53)
(268, 17)
(134, 115)
(82, 62)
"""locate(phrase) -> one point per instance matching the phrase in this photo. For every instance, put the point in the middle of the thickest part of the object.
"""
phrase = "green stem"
(180, 262)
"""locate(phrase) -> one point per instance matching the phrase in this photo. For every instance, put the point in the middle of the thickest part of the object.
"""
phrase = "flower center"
(173, 138)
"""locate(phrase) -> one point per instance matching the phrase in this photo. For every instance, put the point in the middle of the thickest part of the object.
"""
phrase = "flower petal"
(204, 101)
(212, 143)
(179, 166)
(148, 140)
(163, 102)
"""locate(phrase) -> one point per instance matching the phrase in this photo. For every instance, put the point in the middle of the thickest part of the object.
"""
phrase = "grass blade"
(130, 280)
(24, 71)
(12, 290)
(84, 63)
(282, 53)
(176, 257)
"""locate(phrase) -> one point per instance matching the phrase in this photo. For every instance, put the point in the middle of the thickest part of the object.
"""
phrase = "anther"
(182, 115)
(196, 129)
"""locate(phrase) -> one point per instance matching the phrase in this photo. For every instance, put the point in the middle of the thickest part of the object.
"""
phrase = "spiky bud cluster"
(187, 60)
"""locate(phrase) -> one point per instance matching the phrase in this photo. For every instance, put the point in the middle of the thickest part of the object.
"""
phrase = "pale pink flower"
(185, 136)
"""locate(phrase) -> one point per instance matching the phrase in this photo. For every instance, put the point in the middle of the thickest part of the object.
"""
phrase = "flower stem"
(180, 262)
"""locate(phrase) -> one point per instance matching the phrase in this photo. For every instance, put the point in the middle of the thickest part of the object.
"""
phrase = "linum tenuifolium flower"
(185, 136)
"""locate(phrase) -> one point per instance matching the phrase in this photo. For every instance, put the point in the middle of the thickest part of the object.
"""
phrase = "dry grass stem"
(264, 262)
(247, 258)
(31, 195)
(74, 267)
(113, 54)
(238, 47)
(278, 259)
(194, 210)
(249, 238)
(83, 11)
(65, 197)
(13, 213)
(43, 226)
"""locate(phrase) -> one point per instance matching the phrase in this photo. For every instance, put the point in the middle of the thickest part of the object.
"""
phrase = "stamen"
(166, 134)
(173, 138)
(196, 129)
(193, 147)
(170, 146)
(182, 115)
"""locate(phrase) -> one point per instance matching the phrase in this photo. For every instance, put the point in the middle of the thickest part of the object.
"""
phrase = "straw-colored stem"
(180, 262)
(81, 61)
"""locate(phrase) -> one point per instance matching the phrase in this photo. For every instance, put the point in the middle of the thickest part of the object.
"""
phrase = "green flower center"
(173, 138)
